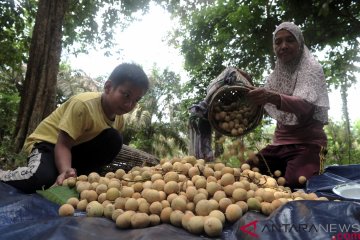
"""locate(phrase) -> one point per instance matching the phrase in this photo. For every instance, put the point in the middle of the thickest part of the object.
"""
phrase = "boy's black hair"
(129, 72)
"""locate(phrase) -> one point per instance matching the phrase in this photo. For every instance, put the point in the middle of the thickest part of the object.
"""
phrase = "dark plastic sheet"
(323, 184)
(306, 220)
(29, 216)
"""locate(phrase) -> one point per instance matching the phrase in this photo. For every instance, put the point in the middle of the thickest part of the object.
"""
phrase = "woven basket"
(128, 158)
(229, 111)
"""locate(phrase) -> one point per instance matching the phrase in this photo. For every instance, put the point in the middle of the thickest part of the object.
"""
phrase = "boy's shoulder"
(86, 96)
(88, 102)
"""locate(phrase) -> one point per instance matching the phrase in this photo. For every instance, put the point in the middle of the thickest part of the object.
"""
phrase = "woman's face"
(286, 47)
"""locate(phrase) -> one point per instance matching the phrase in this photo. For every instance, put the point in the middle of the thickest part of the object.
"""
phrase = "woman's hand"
(261, 96)
(71, 172)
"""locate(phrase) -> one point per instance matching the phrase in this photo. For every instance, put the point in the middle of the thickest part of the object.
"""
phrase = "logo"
(336, 231)
(246, 228)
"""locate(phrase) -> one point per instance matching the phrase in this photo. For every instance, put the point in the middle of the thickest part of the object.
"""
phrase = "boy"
(82, 134)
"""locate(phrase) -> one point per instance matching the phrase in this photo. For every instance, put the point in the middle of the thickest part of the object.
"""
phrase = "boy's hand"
(71, 172)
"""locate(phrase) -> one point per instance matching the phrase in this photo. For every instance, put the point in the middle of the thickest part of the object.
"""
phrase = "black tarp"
(29, 216)
(305, 220)
(323, 184)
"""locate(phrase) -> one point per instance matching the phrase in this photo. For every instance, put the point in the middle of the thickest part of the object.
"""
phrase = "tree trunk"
(348, 138)
(39, 92)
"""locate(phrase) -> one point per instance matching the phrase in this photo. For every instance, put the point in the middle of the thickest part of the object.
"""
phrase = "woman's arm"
(291, 104)
(296, 105)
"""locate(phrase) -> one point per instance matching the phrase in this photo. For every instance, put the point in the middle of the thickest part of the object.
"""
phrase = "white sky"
(144, 42)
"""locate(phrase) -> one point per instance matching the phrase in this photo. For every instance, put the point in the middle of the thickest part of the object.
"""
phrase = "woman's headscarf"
(302, 77)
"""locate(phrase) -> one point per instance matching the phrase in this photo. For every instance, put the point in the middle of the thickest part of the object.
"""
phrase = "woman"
(295, 95)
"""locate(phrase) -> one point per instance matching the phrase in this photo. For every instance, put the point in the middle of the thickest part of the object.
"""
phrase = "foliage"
(356, 131)
(72, 82)
(9, 100)
(154, 126)
(16, 20)
(340, 69)
(8, 158)
(338, 152)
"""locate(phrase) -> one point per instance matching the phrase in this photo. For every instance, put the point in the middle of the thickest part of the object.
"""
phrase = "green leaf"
(58, 194)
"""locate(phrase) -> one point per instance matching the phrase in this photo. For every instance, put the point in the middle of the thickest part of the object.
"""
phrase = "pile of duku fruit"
(185, 192)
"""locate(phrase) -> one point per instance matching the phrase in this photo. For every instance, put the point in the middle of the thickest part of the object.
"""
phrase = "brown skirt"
(293, 160)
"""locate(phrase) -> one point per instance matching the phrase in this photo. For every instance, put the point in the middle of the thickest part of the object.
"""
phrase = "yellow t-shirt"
(82, 117)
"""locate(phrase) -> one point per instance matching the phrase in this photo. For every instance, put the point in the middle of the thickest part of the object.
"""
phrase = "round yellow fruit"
(196, 225)
(71, 182)
(213, 226)
(176, 217)
(277, 173)
(108, 210)
(233, 212)
(66, 210)
(302, 180)
(73, 201)
(140, 220)
(124, 220)
(219, 215)
(227, 179)
(254, 204)
(119, 173)
(116, 213)
(94, 209)
(154, 219)
(165, 214)
(281, 181)
(93, 177)
(178, 203)
(112, 194)
(82, 205)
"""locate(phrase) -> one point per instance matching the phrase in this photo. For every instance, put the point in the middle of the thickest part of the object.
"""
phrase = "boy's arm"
(63, 157)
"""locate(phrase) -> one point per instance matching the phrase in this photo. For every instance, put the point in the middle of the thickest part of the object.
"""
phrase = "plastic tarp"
(30, 216)
(323, 184)
(305, 220)
(311, 219)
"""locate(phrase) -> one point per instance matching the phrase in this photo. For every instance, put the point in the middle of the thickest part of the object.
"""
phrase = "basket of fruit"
(128, 158)
(229, 111)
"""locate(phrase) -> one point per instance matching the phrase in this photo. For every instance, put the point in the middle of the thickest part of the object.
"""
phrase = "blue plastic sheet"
(29, 216)
(305, 220)
(323, 184)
